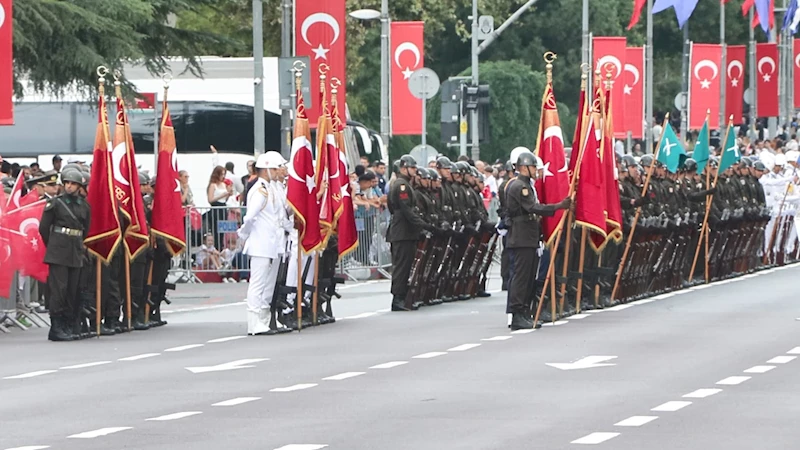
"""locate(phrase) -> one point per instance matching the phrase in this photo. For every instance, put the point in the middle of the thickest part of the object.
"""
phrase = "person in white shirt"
(263, 232)
(238, 187)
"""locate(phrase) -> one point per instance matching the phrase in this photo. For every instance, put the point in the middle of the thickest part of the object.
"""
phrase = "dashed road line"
(463, 347)
(98, 433)
(138, 357)
(343, 376)
(759, 369)
(86, 365)
(389, 365)
(636, 421)
(702, 393)
(30, 447)
(579, 316)
(595, 438)
(429, 355)
(781, 359)
(296, 387)
(237, 401)
(302, 447)
(733, 381)
(174, 416)
(671, 406)
(498, 338)
(521, 332)
(794, 351)
(556, 323)
(183, 347)
(225, 339)
(23, 376)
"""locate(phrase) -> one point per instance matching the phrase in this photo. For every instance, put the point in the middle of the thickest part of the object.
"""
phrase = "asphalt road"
(713, 367)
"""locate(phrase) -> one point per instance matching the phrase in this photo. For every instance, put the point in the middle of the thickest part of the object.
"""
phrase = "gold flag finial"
(549, 57)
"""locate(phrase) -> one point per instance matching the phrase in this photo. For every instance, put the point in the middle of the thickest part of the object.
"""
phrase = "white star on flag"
(547, 172)
(310, 184)
(734, 82)
(177, 186)
(320, 52)
(407, 73)
(705, 84)
(628, 90)
(767, 77)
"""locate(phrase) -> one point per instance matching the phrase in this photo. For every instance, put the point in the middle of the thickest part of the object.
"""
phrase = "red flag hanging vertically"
(554, 185)
(637, 12)
(705, 84)
(610, 178)
(767, 79)
(16, 193)
(104, 230)
(407, 54)
(7, 263)
(336, 176)
(168, 214)
(796, 71)
(126, 183)
(322, 171)
(634, 92)
(734, 82)
(580, 124)
(610, 53)
(346, 221)
(25, 243)
(301, 186)
(590, 197)
(320, 30)
(6, 63)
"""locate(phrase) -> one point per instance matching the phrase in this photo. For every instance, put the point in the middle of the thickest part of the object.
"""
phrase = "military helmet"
(713, 161)
(646, 160)
(690, 165)
(87, 176)
(408, 161)
(74, 176)
(744, 163)
(71, 166)
(509, 167)
(628, 161)
(8, 182)
(526, 159)
(759, 166)
(143, 178)
(443, 162)
(434, 174)
(396, 167)
(474, 171)
(462, 167)
(424, 173)
(518, 151)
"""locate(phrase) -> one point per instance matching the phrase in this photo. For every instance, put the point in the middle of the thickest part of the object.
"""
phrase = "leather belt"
(446, 208)
(68, 231)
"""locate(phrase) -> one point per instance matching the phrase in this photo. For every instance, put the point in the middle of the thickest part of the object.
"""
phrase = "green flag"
(701, 148)
(730, 152)
(671, 152)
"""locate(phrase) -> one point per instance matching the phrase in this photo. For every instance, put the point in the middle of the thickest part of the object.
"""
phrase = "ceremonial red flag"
(22, 231)
(554, 185)
(734, 82)
(168, 215)
(767, 80)
(7, 263)
(407, 52)
(301, 186)
(126, 184)
(346, 221)
(320, 33)
(104, 230)
(634, 92)
(638, 5)
(16, 192)
(590, 197)
(705, 86)
(610, 177)
(323, 168)
(796, 69)
(335, 146)
(6, 63)
(577, 138)
(609, 55)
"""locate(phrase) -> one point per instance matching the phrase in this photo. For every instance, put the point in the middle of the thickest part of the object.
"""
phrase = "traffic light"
(474, 97)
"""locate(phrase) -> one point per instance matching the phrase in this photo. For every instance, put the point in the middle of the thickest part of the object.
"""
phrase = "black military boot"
(483, 294)
(58, 330)
(399, 304)
(155, 318)
(138, 320)
(521, 322)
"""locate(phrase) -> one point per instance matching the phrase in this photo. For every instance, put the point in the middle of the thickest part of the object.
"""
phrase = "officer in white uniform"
(264, 232)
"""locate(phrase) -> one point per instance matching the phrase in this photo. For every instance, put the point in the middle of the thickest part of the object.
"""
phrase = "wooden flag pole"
(703, 228)
(581, 261)
(299, 300)
(148, 294)
(127, 287)
(637, 215)
(565, 266)
(315, 298)
(98, 295)
(597, 285)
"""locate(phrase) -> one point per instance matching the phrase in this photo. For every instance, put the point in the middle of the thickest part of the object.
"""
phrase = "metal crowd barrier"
(372, 258)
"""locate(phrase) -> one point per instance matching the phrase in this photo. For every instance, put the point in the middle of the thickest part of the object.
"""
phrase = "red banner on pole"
(767, 79)
(796, 69)
(704, 84)
(734, 82)
(609, 54)
(634, 92)
(320, 29)
(6, 64)
(407, 54)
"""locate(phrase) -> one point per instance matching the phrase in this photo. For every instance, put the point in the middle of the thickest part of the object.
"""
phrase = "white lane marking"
(343, 376)
(138, 357)
(588, 362)
(97, 433)
(621, 307)
(429, 355)
(733, 381)
(497, 338)
(759, 369)
(174, 416)
(579, 316)
(463, 347)
(794, 351)
(671, 406)
(361, 316)
(83, 366)
(237, 401)
(30, 447)
(557, 323)
(521, 332)
(225, 339)
(389, 365)
(302, 447)
(233, 365)
(595, 438)
(702, 393)
(183, 347)
(203, 308)
(296, 387)
(781, 359)
(30, 374)
(636, 421)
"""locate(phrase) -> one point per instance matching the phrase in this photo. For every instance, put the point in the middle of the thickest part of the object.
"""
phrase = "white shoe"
(243, 280)
(254, 324)
(225, 280)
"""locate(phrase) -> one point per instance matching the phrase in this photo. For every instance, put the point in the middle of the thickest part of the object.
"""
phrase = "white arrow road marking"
(389, 365)
(595, 438)
(296, 387)
(302, 447)
(671, 406)
(83, 366)
(237, 401)
(233, 365)
(781, 359)
(183, 347)
(30, 374)
(702, 393)
(733, 381)
(174, 416)
(463, 347)
(759, 369)
(588, 362)
(636, 421)
(138, 357)
(98, 433)
(343, 376)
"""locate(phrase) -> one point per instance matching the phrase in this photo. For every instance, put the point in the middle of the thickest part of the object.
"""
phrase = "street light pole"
(286, 51)
(474, 112)
(258, 78)
(385, 61)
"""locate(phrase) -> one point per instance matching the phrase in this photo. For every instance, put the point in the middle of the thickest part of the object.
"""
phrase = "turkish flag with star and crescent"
(554, 185)
(25, 242)
(168, 214)
(767, 79)
(796, 71)
(734, 82)
(634, 92)
(704, 87)
(407, 55)
(6, 64)
(609, 54)
(320, 29)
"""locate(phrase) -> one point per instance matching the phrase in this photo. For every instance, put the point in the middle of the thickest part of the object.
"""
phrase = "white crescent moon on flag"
(410, 47)
(116, 159)
(31, 222)
(797, 60)
(553, 131)
(15, 199)
(2, 16)
(632, 69)
(320, 17)
(766, 60)
(175, 160)
(737, 64)
(298, 145)
(706, 63)
(610, 59)
(343, 161)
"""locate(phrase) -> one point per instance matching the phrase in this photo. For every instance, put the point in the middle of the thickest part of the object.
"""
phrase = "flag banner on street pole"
(705, 84)
(736, 57)
(767, 79)
(407, 55)
(634, 92)
(610, 54)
